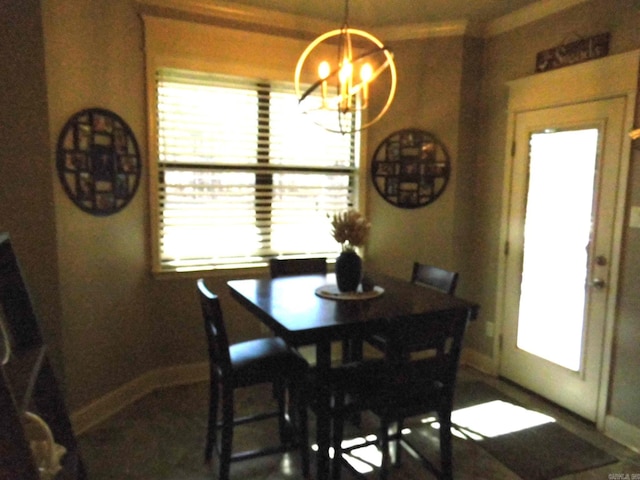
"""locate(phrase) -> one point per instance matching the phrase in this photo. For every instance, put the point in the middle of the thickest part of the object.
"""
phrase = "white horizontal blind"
(243, 177)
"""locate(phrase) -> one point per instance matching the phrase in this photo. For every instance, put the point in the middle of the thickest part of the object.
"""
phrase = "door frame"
(612, 76)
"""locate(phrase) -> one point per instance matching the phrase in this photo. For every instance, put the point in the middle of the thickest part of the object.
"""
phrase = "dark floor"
(161, 437)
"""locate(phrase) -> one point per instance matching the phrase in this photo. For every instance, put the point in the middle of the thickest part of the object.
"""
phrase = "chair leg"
(210, 443)
(323, 434)
(302, 429)
(226, 439)
(336, 442)
(398, 442)
(446, 448)
(384, 448)
(280, 393)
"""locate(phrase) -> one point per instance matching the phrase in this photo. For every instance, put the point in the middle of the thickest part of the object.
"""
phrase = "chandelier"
(345, 68)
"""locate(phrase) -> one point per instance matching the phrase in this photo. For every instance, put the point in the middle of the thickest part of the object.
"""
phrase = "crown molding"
(417, 31)
(235, 14)
(526, 15)
(270, 20)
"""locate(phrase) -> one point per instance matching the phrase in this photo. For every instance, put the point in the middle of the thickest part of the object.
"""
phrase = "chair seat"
(408, 342)
(376, 385)
(256, 361)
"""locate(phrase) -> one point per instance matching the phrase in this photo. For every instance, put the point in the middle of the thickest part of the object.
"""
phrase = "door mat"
(535, 448)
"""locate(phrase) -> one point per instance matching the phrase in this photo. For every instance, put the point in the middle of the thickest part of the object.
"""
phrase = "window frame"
(155, 183)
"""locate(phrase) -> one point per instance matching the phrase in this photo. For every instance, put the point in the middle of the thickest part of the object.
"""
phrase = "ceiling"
(382, 13)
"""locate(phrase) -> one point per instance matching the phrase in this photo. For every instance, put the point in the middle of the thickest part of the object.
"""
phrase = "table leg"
(352, 350)
(323, 419)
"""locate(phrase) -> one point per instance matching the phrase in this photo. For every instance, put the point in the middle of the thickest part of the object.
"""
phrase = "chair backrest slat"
(442, 335)
(435, 277)
(214, 327)
(432, 333)
(281, 267)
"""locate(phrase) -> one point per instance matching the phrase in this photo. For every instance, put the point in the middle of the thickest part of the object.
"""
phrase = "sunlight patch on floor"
(363, 459)
(486, 420)
(492, 419)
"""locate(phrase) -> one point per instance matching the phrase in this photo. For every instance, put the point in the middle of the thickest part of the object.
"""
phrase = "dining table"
(309, 310)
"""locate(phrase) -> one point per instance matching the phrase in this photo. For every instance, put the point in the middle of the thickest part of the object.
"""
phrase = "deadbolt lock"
(601, 260)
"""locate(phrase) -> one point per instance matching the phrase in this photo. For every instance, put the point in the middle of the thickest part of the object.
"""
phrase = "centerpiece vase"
(348, 271)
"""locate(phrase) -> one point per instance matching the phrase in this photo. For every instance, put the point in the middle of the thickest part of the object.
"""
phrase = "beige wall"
(27, 208)
(510, 56)
(94, 58)
(429, 98)
(113, 321)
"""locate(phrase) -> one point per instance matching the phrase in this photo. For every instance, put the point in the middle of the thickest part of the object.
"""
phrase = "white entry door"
(563, 199)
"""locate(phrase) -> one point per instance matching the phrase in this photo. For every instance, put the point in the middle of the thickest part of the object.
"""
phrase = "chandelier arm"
(346, 13)
(306, 53)
(382, 49)
(376, 73)
(310, 90)
(392, 93)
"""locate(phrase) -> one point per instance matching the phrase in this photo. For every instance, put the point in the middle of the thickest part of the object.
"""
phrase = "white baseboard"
(104, 407)
(108, 405)
(479, 361)
(622, 432)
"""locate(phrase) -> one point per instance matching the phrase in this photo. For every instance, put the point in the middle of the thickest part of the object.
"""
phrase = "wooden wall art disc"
(98, 161)
(410, 168)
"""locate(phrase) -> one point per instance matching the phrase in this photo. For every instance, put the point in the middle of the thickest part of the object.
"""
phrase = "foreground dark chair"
(280, 267)
(430, 276)
(395, 390)
(28, 382)
(265, 360)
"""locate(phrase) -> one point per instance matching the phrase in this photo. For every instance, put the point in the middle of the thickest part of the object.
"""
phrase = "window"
(242, 175)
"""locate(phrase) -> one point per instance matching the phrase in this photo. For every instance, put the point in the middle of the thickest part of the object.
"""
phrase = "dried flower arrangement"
(350, 228)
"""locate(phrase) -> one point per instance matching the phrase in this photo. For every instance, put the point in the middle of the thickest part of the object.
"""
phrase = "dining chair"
(396, 390)
(434, 277)
(280, 267)
(244, 364)
(429, 276)
(286, 267)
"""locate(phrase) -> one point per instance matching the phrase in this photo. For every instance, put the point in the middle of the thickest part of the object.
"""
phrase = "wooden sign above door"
(571, 53)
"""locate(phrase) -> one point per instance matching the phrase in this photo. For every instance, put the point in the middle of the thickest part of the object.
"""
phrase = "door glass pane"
(557, 232)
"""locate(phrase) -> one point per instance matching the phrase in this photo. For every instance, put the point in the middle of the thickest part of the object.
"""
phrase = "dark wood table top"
(290, 307)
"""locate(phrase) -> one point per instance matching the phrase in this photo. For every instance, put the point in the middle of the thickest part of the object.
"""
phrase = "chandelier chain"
(346, 14)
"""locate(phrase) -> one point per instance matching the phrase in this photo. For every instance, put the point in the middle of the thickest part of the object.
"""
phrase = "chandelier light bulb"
(346, 71)
(324, 69)
(366, 73)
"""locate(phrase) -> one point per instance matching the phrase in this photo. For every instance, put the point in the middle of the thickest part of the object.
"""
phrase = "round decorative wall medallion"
(410, 168)
(98, 161)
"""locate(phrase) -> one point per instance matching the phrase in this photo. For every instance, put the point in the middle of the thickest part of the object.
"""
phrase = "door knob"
(598, 283)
